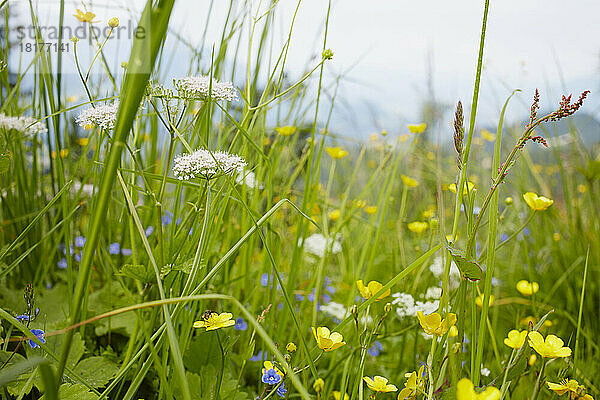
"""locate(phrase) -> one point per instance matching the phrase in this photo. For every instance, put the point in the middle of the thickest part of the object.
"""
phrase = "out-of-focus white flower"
(433, 293)
(86, 189)
(103, 116)
(317, 244)
(437, 269)
(206, 164)
(247, 178)
(199, 87)
(485, 371)
(406, 306)
(22, 124)
(334, 309)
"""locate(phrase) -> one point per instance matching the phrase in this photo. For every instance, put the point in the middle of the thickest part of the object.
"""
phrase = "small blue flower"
(26, 318)
(326, 298)
(311, 297)
(281, 390)
(327, 281)
(526, 232)
(149, 230)
(167, 218)
(126, 252)
(375, 349)
(40, 335)
(240, 324)
(178, 222)
(503, 237)
(79, 241)
(62, 264)
(299, 297)
(114, 248)
(330, 289)
(77, 257)
(264, 279)
(271, 377)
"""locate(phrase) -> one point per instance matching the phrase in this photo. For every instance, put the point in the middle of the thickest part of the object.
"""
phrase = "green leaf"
(96, 371)
(138, 272)
(519, 368)
(469, 269)
(203, 350)
(15, 375)
(5, 158)
(68, 391)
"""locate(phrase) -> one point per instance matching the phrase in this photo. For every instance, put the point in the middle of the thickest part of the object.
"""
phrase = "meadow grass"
(173, 237)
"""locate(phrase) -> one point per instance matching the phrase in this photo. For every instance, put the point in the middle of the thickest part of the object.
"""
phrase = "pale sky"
(383, 47)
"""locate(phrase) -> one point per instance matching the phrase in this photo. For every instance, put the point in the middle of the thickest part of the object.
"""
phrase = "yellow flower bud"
(113, 22)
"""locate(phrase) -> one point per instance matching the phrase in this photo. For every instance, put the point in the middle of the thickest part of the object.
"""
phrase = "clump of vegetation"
(207, 237)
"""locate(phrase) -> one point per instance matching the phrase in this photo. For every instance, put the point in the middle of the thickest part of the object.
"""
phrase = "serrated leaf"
(96, 371)
(68, 391)
(138, 272)
(468, 268)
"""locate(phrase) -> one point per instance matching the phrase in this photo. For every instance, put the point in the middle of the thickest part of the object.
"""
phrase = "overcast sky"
(384, 48)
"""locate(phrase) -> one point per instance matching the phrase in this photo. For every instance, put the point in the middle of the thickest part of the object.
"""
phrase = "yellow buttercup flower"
(479, 300)
(537, 203)
(327, 340)
(466, 391)
(215, 321)
(370, 210)
(269, 365)
(530, 319)
(319, 385)
(418, 227)
(453, 331)
(417, 128)
(291, 347)
(527, 288)
(468, 189)
(408, 181)
(487, 135)
(532, 360)
(379, 384)
(429, 212)
(83, 141)
(570, 386)
(556, 237)
(371, 289)
(360, 203)
(515, 339)
(85, 16)
(338, 396)
(433, 324)
(551, 347)
(334, 215)
(336, 152)
(285, 130)
(413, 386)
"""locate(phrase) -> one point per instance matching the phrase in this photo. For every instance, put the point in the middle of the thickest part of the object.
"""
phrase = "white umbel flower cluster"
(335, 310)
(406, 306)
(317, 244)
(437, 269)
(199, 87)
(103, 116)
(206, 164)
(22, 124)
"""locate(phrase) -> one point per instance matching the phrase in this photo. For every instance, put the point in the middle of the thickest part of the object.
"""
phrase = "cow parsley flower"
(317, 245)
(206, 164)
(103, 116)
(22, 124)
(199, 87)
